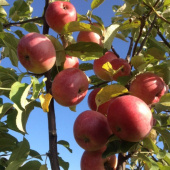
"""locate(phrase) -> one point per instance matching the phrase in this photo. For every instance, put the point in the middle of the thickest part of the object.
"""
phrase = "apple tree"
(129, 109)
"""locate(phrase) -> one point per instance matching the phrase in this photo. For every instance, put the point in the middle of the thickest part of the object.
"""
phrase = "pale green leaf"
(30, 27)
(4, 3)
(80, 26)
(18, 94)
(65, 144)
(110, 34)
(14, 165)
(96, 3)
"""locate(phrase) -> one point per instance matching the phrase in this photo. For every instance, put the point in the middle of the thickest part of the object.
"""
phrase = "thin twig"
(147, 35)
(162, 37)
(130, 50)
(21, 22)
(114, 51)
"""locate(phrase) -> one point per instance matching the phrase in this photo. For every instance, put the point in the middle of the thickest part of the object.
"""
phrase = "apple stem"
(53, 154)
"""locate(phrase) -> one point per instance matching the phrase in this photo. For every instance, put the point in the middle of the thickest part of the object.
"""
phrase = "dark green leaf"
(118, 146)
(32, 165)
(65, 144)
(86, 66)
(165, 134)
(35, 154)
(4, 108)
(63, 164)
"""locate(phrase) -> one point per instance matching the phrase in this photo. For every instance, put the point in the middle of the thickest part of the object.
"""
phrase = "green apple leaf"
(43, 167)
(63, 164)
(165, 100)
(18, 94)
(80, 26)
(35, 154)
(148, 143)
(110, 34)
(118, 146)
(65, 144)
(30, 27)
(20, 152)
(85, 50)
(33, 165)
(86, 66)
(4, 109)
(96, 3)
(108, 92)
(94, 80)
(4, 3)
(2, 12)
(165, 134)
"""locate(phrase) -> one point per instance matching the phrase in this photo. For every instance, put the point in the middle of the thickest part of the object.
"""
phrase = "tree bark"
(53, 154)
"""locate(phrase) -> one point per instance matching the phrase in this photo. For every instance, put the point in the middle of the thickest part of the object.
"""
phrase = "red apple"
(69, 87)
(130, 118)
(116, 64)
(91, 130)
(89, 36)
(71, 62)
(92, 160)
(92, 104)
(149, 87)
(98, 63)
(59, 13)
(36, 53)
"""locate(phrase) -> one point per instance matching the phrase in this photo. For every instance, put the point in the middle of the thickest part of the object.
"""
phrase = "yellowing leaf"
(108, 92)
(109, 69)
(45, 101)
(73, 108)
(153, 135)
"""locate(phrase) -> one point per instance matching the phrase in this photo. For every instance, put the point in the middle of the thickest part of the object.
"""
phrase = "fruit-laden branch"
(53, 156)
(21, 22)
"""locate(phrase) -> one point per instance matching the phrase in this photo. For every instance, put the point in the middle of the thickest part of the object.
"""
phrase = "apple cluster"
(128, 116)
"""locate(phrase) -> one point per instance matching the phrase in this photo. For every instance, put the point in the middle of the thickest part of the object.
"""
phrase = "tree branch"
(161, 36)
(21, 22)
(53, 154)
(130, 50)
(147, 35)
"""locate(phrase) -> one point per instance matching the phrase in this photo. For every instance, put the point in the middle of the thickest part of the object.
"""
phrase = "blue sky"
(37, 126)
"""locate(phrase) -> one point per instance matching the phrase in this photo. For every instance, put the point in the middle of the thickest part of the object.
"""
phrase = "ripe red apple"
(36, 53)
(130, 118)
(89, 36)
(92, 104)
(59, 13)
(91, 130)
(69, 87)
(149, 87)
(92, 160)
(71, 62)
(98, 63)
